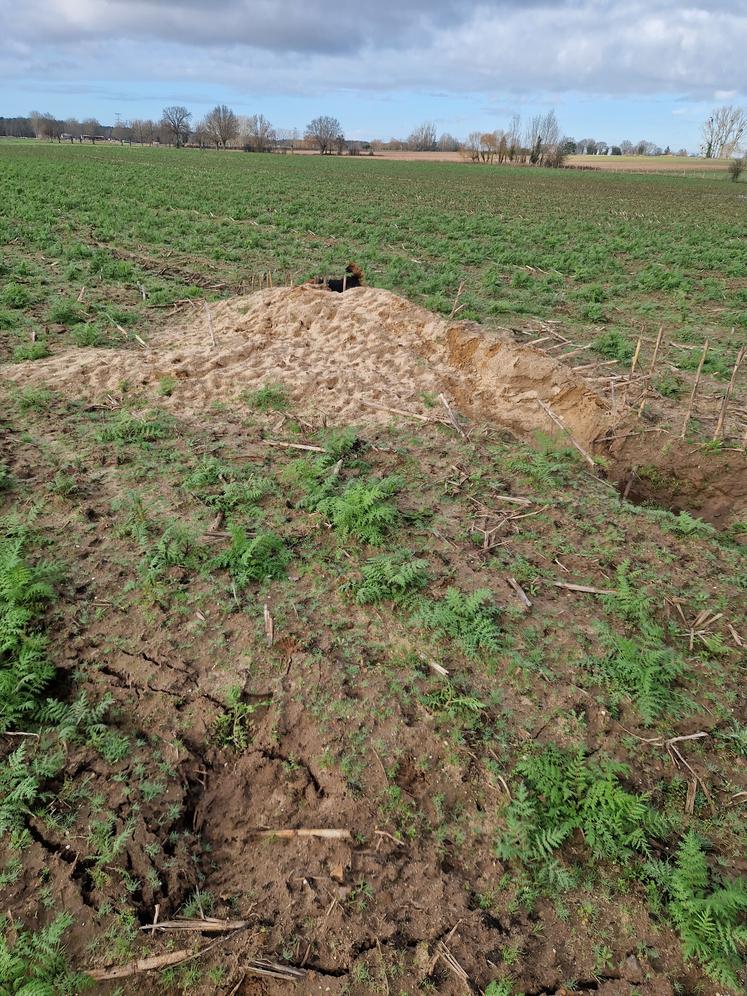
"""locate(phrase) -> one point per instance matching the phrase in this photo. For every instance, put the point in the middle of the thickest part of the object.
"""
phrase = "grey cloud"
(308, 46)
(292, 26)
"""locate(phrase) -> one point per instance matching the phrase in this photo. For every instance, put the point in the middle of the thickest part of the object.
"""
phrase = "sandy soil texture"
(333, 353)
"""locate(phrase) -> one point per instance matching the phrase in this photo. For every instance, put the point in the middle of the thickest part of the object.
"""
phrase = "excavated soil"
(333, 352)
(338, 355)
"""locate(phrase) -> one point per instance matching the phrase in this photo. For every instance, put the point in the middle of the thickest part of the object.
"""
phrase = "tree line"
(537, 141)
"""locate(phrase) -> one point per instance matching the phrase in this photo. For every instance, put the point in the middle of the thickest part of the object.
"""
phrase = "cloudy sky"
(612, 69)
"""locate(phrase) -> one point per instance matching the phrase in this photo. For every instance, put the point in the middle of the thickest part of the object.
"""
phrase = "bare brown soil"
(658, 470)
(336, 738)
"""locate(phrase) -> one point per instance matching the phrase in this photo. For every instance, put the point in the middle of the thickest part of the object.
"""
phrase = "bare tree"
(723, 132)
(447, 143)
(471, 147)
(488, 146)
(258, 135)
(513, 137)
(37, 120)
(143, 131)
(16, 128)
(46, 125)
(323, 131)
(542, 136)
(423, 138)
(92, 129)
(555, 156)
(221, 126)
(200, 137)
(736, 168)
(533, 138)
(175, 120)
(73, 128)
(122, 130)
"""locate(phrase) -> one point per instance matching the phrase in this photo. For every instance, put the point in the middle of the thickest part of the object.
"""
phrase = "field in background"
(616, 164)
(512, 701)
(607, 255)
(653, 164)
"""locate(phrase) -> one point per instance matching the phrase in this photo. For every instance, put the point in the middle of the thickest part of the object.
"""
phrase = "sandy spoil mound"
(332, 352)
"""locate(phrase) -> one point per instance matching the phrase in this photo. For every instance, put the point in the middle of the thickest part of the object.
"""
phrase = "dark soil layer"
(663, 472)
(288, 703)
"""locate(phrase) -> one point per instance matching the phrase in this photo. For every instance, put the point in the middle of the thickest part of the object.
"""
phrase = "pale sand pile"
(331, 352)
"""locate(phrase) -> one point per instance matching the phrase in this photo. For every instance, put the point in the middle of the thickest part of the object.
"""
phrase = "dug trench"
(334, 717)
(676, 475)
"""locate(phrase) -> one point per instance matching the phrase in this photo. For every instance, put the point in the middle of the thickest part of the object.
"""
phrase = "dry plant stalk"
(156, 961)
(718, 432)
(287, 834)
(210, 322)
(455, 310)
(451, 416)
(208, 925)
(269, 626)
(688, 415)
(632, 371)
(651, 368)
(559, 422)
(396, 411)
(523, 597)
(294, 446)
(583, 587)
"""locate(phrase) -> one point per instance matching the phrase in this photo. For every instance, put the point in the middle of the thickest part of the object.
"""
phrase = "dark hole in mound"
(353, 277)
